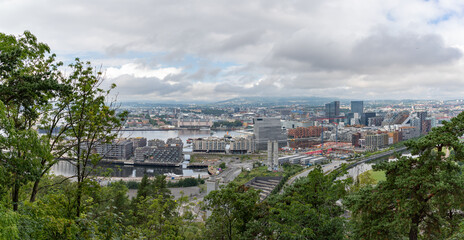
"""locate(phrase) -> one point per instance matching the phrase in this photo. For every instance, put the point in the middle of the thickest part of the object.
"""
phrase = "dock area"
(134, 163)
(197, 165)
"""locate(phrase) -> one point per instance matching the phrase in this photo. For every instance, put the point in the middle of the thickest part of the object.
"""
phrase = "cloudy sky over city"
(216, 50)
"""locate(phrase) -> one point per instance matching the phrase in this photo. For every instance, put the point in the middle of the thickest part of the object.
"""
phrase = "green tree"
(157, 219)
(232, 208)
(159, 187)
(227, 124)
(8, 224)
(28, 77)
(307, 209)
(21, 151)
(142, 191)
(363, 180)
(52, 122)
(222, 165)
(156, 214)
(107, 208)
(421, 197)
(91, 121)
(28, 80)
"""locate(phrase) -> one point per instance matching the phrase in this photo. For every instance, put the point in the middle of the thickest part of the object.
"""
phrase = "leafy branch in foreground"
(422, 195)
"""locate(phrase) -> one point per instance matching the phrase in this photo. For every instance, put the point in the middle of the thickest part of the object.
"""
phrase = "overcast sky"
(215, 50)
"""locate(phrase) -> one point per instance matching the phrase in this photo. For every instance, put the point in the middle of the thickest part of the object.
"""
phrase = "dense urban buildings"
(161, 152)
(194, 123)
(156, 142)
(242, 145)
(376, 141)
(117, 150)
(366, 116)
(363, 125)
(304, 132)
(141, 153)
(209, 145)
(139, 142)
(167, 154)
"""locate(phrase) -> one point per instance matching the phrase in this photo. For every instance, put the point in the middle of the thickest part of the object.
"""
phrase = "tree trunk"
(35, 189)
(414, 229)
(78, 198)
(230, 230)
(15, 196)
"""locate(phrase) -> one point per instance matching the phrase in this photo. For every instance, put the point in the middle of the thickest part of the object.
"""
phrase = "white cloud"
(141, 71)
(343, 48)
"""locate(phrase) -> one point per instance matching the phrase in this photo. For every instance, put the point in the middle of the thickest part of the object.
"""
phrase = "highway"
(376, 156)
(336, 164)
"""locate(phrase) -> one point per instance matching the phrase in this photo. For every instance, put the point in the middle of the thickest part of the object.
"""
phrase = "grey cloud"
(129, 85)
(205, 73)
(239, 40)
(381, 49)
(114, 50)
(305, 51)
(173, 57)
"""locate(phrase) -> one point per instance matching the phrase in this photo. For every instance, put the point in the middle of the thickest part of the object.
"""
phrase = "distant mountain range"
(260, 101)
(268, 101)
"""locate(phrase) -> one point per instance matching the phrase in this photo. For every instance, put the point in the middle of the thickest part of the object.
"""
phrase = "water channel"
(128, 171)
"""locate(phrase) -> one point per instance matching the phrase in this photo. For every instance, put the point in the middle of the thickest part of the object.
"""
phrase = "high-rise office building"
(266, 129)
(416, 122)
(332, 110)
(422, 116)
(357, 107)
(426, 126)
(272, 155)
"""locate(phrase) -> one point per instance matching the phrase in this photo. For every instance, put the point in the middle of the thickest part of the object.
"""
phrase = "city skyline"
(217, 50)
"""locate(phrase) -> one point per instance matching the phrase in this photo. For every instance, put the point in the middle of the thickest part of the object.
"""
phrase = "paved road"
(230, 174)
(376, 156)
(233, 170)
(326, 168)
(334, 165)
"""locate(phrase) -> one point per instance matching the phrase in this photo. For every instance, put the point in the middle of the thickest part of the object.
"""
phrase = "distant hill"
(273, 101)
(270, 101)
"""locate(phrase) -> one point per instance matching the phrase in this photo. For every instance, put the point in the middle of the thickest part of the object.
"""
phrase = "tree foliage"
(20, 157)
(308, 209)
(28, 76)
(227, 124)
(232, 208)
(422, 195)
(90, 121)
(75, 114)
(28, 80)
